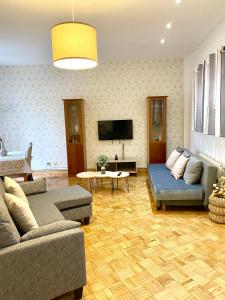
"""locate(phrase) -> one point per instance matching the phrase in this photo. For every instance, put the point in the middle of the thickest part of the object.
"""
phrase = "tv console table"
(126, 165)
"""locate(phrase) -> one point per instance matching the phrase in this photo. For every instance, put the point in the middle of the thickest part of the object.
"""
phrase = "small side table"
(115, 176)
(89, 176)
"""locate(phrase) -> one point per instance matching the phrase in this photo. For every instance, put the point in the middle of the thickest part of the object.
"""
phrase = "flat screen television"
(115, 130)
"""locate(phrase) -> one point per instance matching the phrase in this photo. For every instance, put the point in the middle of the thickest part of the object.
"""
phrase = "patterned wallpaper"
(32, 109)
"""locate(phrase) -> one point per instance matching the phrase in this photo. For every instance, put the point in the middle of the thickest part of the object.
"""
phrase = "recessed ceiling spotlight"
(162, 41)
(178, 1)
(169, 25)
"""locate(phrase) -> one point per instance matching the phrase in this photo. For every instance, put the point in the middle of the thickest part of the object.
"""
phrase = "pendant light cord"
(73, 15)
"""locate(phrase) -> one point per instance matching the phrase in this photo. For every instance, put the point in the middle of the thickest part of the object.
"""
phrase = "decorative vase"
(102, 170)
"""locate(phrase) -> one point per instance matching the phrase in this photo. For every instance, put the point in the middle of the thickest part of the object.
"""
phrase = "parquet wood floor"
(135, 252)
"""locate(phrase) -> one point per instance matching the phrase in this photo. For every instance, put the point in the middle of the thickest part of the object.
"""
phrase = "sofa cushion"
(71, 196)
(166, 187)
(180, 150)
(9, 234)
(21, 213)
(172, 159)
(49, 229)
(179, 167)
(193, 171)
(12, 187)
(44, 211)
(2, 188)
(34, 187)
(187, 154)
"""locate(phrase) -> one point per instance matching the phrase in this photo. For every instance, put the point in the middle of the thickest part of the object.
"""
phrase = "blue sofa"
(167, 191)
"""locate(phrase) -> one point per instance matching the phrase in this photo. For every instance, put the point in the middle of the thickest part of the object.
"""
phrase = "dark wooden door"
(156, 127)
(75, 135)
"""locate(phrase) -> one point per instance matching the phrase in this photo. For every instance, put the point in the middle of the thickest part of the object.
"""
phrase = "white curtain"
(222, 94)
(199, 98)
(194, 102)
(206, 97)
(218, 92)
(209, 95)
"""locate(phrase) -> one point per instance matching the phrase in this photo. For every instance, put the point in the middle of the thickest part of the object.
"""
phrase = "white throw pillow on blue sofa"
(179, 167)
(174, 155)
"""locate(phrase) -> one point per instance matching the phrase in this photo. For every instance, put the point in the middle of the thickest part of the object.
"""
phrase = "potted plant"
(103, 161)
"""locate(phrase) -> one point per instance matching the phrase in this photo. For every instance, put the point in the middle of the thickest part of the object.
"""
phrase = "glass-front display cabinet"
(75, 135)
(156, 128)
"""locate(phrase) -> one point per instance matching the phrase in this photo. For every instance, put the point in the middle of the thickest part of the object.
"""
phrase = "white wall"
(210, 145)
(32, 109)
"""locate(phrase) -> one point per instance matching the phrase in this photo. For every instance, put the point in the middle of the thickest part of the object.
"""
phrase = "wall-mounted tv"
(115, 130)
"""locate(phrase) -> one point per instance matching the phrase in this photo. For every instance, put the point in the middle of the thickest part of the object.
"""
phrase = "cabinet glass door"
(74, 123)
(157, 120)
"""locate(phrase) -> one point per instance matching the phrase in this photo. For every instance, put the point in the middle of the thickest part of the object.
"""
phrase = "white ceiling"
(127, 29)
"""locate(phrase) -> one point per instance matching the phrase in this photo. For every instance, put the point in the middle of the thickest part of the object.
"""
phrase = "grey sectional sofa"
(70, 203)
(167, 191)
(49, 261)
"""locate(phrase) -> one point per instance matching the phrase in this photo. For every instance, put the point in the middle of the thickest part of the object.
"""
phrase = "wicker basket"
(217, 209)
(217, 201)
(217, 218)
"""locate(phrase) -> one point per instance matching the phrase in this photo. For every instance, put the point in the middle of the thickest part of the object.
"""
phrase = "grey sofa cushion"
(77, 213)
(49, 229)
(179, 149)
(9, 234)
(187, 154)
(69, 197)
(193, 171)
(44, 211)
(34, 187)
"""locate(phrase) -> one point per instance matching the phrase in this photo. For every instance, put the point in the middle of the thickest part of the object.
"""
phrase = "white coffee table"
(99, 175)
(89, 176)
(115, 176)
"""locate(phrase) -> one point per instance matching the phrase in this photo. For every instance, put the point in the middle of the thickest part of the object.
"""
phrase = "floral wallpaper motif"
(32, 109)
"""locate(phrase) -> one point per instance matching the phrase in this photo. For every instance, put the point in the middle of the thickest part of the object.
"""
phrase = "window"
(209, 95)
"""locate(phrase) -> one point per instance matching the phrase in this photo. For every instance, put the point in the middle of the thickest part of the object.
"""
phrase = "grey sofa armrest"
(34, 187)
(43, 268)
(50, 229)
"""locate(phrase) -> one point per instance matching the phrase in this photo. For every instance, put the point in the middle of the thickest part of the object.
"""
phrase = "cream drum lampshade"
(74, 46)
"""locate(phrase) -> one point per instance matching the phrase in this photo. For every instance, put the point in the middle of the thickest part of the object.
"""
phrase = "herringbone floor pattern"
(134, 252)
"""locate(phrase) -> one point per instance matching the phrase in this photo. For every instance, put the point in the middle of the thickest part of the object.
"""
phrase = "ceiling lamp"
(74, 45)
